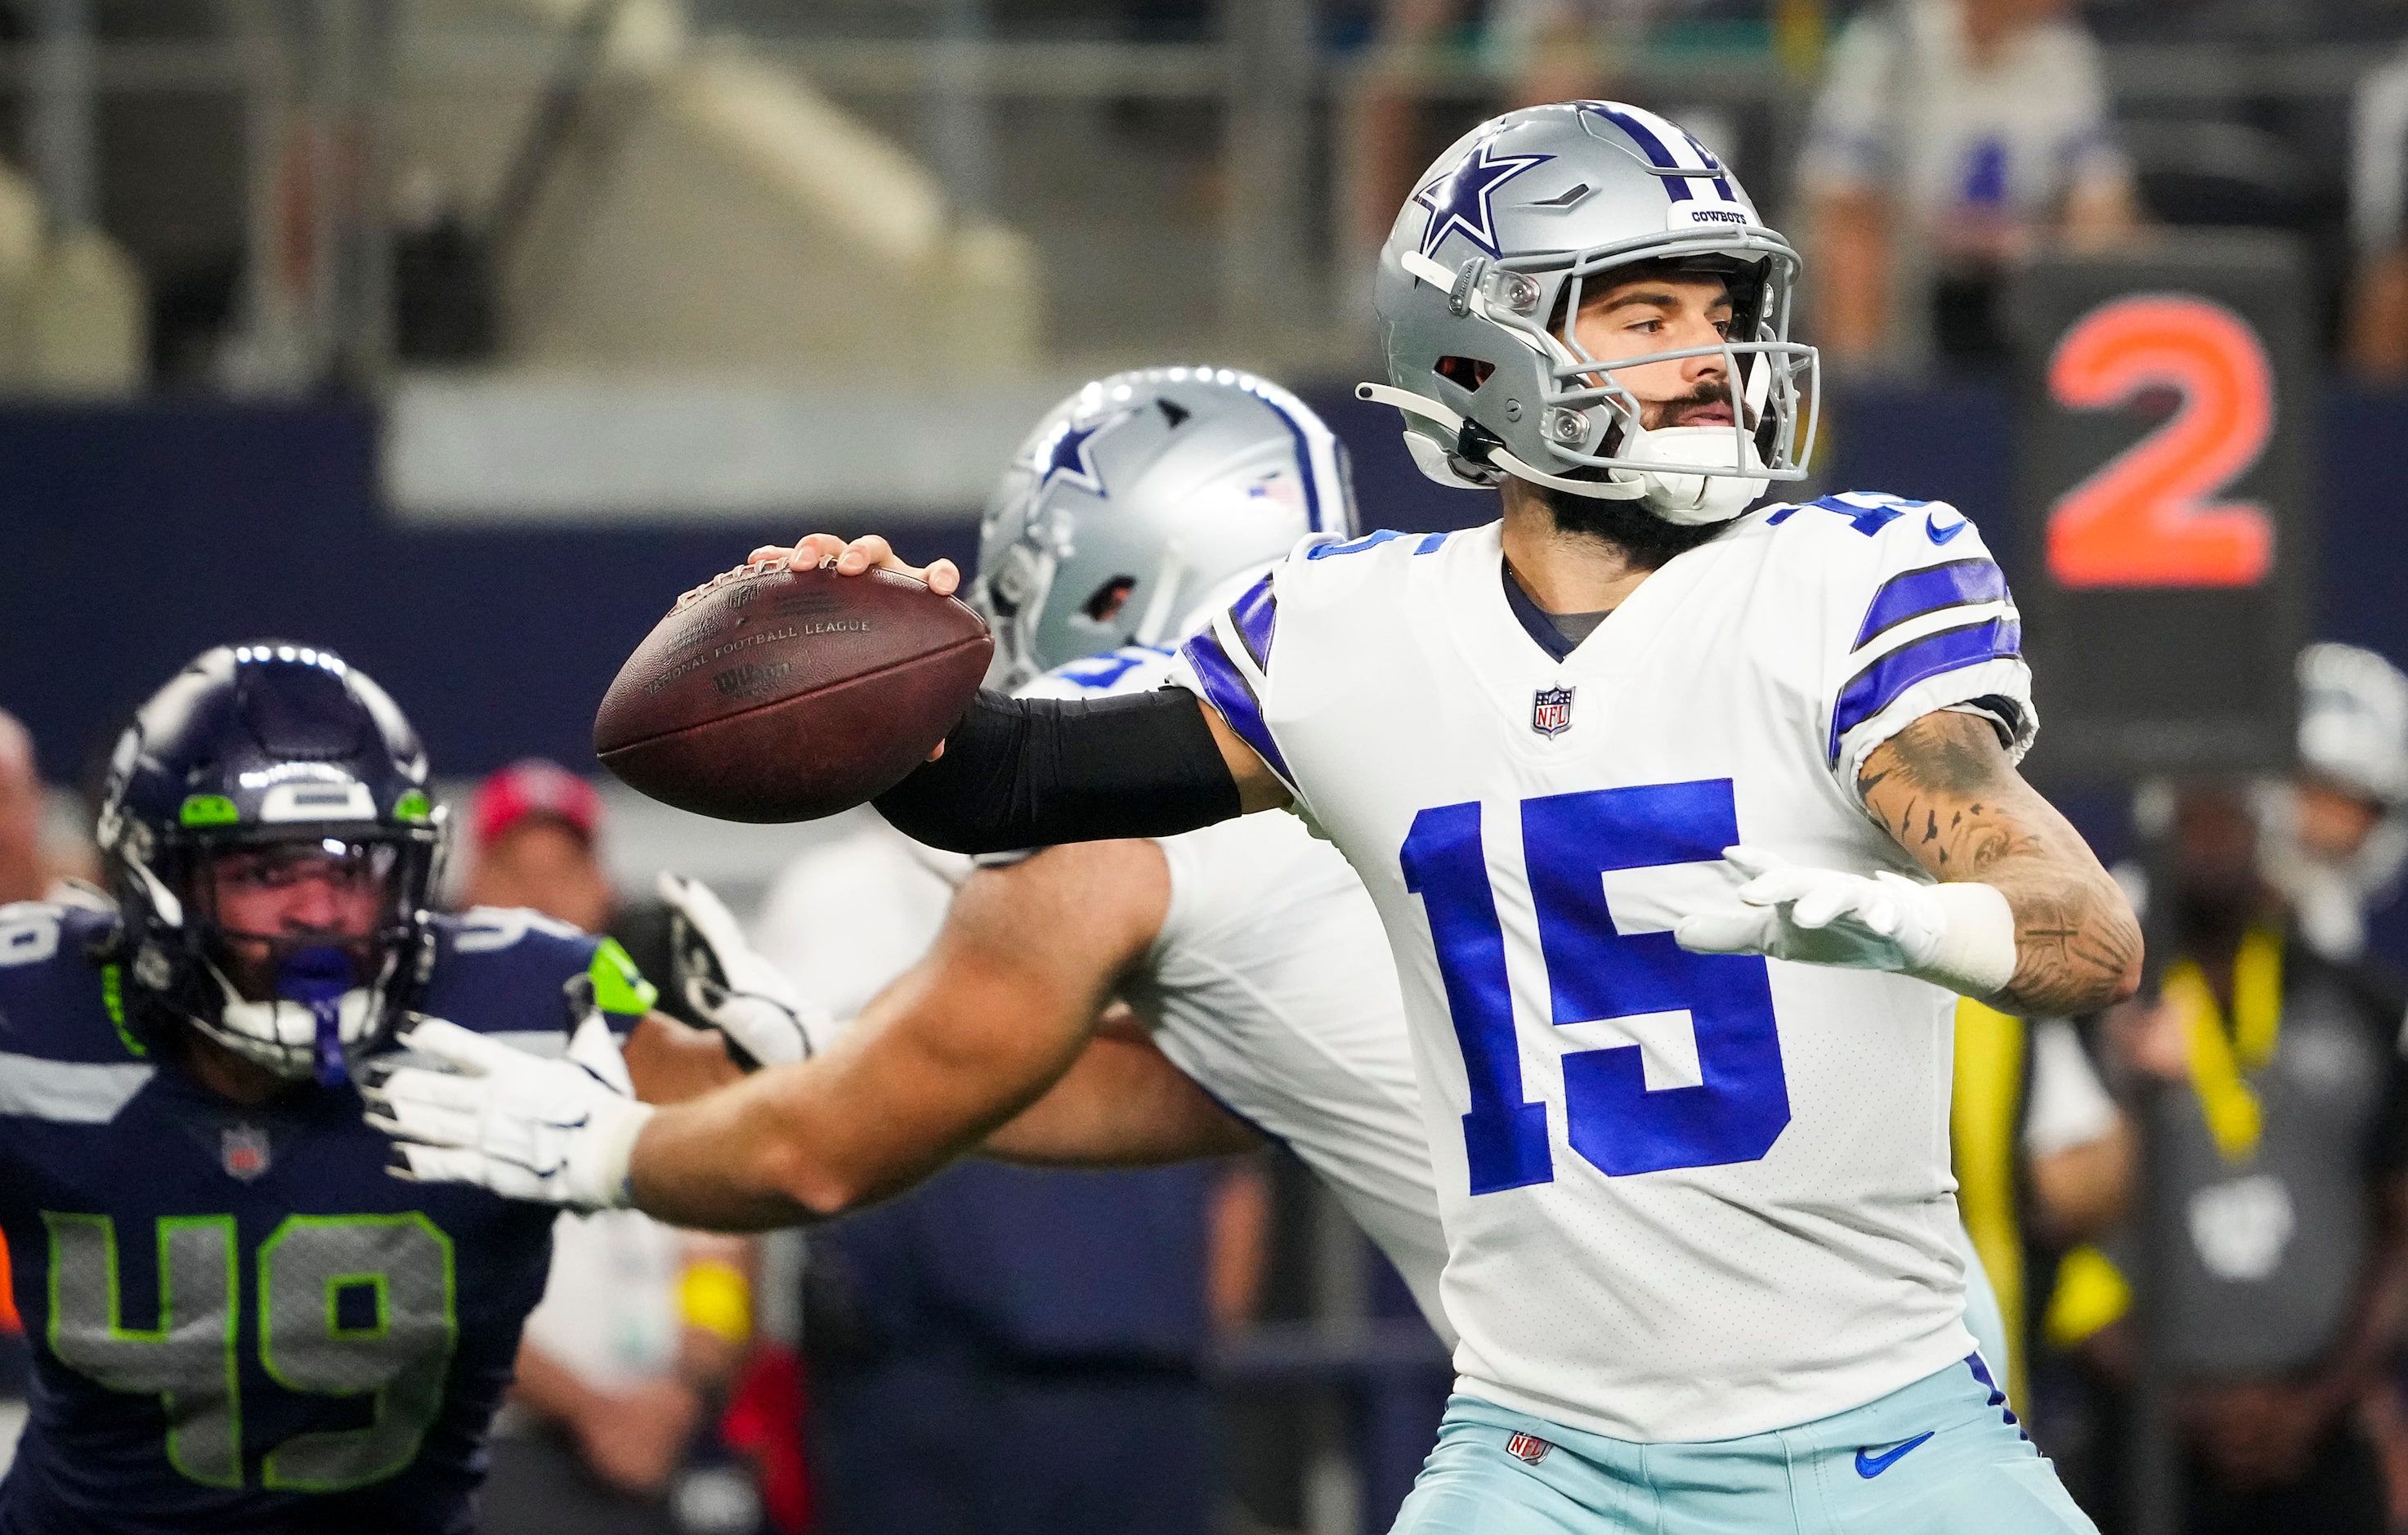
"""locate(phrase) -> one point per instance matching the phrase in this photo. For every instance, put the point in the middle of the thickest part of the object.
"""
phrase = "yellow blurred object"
(2221, 1063)
(1800, 28)
(2091, 1293)
(1984, 1112)
(714, 1295)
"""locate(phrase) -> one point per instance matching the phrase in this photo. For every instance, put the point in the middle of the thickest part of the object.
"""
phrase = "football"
(778, 695)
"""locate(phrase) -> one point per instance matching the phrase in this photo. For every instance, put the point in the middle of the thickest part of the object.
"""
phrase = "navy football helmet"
(277, 756)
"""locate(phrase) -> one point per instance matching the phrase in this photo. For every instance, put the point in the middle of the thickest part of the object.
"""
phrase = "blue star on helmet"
(1068, 456)
(1458, 200)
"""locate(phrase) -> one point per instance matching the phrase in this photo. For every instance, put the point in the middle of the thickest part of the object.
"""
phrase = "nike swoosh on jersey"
(1871, 1466)
(1933, 531)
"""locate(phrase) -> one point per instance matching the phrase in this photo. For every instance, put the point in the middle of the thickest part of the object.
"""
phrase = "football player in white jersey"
(1684, 822)
(1250, 955)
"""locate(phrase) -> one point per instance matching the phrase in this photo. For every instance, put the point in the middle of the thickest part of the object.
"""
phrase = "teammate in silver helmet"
(1248, 953)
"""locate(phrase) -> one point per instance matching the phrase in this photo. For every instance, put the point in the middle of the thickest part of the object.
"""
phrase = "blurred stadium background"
(461, 334)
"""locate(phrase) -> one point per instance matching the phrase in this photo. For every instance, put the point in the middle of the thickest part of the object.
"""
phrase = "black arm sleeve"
(1030, 772)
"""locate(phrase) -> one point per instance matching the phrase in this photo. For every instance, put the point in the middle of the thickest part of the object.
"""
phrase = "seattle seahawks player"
(239, 1322)
(1683, 821)
(1250, 954)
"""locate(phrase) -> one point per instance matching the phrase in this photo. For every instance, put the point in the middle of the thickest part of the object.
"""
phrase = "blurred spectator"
(2282, 1142)
(2375, 337)
(34, 865)
(2333, 839)
(1003, 1351)
(1952, 139)
(24, 874)
(643, 1328)
(444, 299)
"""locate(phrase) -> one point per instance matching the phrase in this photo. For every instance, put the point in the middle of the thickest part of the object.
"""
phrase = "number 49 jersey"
(1685, 1196)
(240, 1322)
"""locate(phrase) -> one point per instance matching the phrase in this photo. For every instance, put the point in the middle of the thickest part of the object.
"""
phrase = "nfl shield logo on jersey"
(1551, 711)
(242, 1150)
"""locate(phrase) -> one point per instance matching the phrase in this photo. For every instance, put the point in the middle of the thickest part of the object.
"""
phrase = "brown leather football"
(778, 694)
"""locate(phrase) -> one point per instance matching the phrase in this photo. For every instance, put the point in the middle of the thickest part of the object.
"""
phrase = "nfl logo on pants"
(1551, 711)
(1528, 1447)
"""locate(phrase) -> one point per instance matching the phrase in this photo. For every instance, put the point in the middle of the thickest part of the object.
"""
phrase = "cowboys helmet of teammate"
(271, 750)
(1136, 500)
(1515, 225)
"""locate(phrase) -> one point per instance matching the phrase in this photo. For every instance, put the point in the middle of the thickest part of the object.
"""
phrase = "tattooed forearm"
(1946, 789)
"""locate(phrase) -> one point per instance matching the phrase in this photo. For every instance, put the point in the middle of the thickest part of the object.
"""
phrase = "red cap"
(532, 787)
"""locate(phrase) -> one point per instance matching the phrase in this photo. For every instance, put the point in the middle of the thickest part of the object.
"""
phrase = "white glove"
(728, 983)
(553, 1132)
(1959, 936)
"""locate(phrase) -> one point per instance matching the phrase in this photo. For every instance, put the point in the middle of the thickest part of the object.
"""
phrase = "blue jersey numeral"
(1569, 842)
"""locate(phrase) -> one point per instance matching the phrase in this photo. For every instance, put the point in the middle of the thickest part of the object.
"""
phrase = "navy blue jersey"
(240, 1321)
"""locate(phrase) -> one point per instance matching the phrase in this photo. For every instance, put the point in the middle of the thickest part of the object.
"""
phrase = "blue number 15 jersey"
(240, 1322)
(1687, 1196)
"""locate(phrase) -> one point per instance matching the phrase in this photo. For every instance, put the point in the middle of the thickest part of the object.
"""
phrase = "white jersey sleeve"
(1916, 617)
(1271, 987)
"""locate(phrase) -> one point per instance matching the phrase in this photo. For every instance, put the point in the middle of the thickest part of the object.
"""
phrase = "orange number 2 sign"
(2148, 517)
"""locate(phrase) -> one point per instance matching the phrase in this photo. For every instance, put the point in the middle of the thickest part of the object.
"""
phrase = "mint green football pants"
(1942, 1457)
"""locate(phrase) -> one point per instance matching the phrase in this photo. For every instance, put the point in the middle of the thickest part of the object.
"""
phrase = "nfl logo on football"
(1551, 711)
(242, 1151)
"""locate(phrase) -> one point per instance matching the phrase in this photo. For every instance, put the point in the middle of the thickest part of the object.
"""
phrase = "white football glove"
(1958, 936)
(553, 1132)
(728, 983)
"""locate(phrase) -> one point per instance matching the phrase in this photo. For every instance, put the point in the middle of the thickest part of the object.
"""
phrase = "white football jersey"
(1687, 1196)
(1270, 986)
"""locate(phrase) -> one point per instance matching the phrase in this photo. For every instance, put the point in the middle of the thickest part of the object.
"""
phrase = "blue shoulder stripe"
(1876, 687)
(1256, 616)
(1431, 543)
(1227, 689)
(1928, 590)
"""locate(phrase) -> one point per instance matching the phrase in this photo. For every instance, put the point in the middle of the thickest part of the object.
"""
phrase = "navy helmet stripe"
(1879, 685)
(1255, 616)
(1659, 154)
(1306, 456)
(1955, 584)
(1225, 689)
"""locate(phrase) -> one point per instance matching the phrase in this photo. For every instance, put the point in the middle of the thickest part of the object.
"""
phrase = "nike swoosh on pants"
(1871, 1466)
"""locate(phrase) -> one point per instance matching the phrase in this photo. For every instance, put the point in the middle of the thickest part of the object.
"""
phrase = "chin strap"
(1596, 490)
(1420, 405)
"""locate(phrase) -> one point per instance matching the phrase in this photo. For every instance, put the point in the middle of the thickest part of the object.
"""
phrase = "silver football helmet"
(1138, 499)
(1487, 264)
